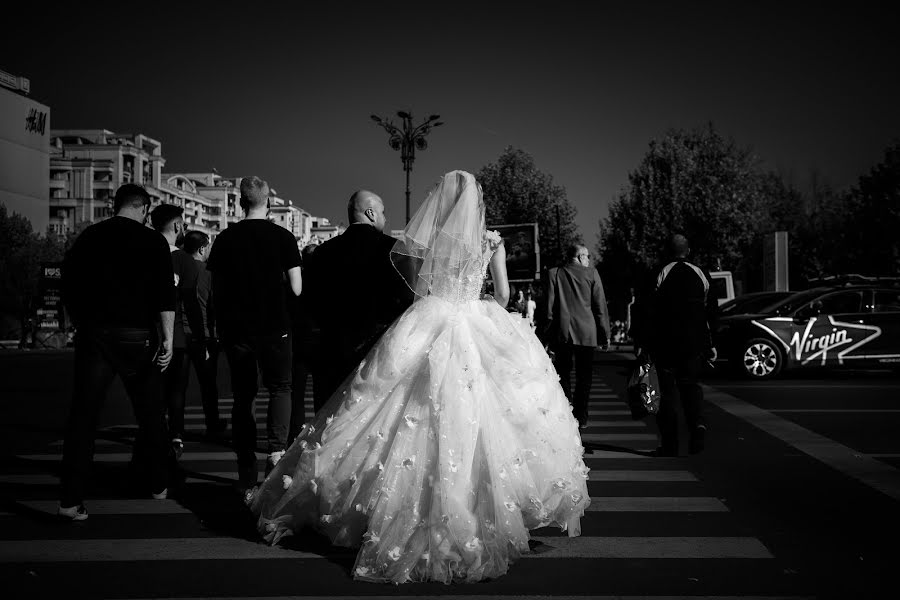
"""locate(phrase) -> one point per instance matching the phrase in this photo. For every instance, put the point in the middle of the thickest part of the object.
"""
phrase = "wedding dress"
(451, 439)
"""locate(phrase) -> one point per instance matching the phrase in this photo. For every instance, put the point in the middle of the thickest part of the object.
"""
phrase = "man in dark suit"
(578, 323)
(675, 332)
(355, 291)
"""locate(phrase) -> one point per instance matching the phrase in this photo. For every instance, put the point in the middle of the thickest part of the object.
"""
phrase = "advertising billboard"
(523, 256)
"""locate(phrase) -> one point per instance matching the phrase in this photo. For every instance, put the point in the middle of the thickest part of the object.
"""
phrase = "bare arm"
(498, 273)
(167, 326)
(296, 280)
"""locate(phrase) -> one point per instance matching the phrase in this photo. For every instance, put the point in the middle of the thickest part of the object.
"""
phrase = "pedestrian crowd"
(151, 304)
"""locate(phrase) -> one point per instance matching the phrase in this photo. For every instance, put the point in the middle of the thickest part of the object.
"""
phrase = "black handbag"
(642, 391)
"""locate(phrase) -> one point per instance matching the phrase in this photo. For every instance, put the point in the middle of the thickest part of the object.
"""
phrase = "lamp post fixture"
(407, 139)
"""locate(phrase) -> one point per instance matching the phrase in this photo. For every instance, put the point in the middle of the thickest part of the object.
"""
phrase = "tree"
(21, 253)
(516, 191)
(869, 241)
(695, 182)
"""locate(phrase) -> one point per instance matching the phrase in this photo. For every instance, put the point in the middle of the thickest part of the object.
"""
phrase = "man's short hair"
(194, 241)
(130, 194)
(678, 245)
(254, 192)
(162, 215)
(572, 251)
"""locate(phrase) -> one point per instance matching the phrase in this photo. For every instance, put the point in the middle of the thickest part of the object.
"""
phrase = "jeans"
(679, 382)
(100, 355)
(307, 360)
(248, 357)
(583, 357)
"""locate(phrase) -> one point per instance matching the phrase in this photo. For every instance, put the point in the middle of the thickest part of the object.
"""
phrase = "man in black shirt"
(675, 331)
(167, 220)
(117, 287)
(255, 264)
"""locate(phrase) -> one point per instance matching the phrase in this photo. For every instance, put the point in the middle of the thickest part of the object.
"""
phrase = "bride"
(452, 438)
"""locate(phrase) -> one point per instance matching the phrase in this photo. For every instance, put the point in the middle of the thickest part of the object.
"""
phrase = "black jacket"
(676, 314)
(354, 291)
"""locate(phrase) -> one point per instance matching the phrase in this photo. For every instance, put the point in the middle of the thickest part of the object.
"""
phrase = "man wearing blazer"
(354, 291)
(578, 323)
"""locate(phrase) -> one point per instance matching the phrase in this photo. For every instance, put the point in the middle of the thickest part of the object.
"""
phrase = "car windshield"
(756, 303)
(792, 303)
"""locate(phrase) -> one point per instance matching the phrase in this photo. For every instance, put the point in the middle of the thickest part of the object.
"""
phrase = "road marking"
(143, 506)
(116, 550)
(115, 457)
(624, 453)
(797, 386)
(655, 504)
(600, 423)
(503, 597)
(617, 437)
(48, 479)
(872, 472)
(115, 507)
(835, 410)
(640, 475)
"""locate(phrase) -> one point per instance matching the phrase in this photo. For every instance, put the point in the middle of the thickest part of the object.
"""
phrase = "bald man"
(354, 291)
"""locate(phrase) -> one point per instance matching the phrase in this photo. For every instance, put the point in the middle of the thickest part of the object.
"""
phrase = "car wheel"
(761, 359)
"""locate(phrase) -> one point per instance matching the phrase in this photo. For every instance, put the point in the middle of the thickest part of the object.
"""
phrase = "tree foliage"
(516, 191)
(869, 239)
(716, 193)
(21, 253)
(691, 181)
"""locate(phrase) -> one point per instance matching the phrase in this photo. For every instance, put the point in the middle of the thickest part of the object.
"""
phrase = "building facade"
(87, 166)
(24, 152)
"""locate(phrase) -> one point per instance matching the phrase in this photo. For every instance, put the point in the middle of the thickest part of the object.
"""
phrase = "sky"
(285, 92)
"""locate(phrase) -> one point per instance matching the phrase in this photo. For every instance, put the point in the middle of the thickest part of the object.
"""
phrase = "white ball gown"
(436, 456)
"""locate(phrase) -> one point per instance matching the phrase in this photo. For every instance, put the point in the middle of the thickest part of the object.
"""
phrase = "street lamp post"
(407, 139)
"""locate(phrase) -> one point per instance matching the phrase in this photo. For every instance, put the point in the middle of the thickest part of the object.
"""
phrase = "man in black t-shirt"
(117, 288)
(167, 220)
(255, 264)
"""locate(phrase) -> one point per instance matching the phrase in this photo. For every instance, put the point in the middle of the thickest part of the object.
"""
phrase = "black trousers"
(175, 382)
(583, 357)
(678, 383)
(207, 370)
(249, 357)
(100, 355)
(307, 362)
(176, 379)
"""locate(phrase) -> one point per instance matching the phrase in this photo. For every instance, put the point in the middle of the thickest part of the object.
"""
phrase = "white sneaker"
(73, 513)
(162, 495)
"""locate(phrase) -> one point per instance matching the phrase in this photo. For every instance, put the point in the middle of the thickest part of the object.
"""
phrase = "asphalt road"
(783, 503)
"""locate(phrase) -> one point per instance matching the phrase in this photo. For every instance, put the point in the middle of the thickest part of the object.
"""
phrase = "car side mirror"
(809, 311)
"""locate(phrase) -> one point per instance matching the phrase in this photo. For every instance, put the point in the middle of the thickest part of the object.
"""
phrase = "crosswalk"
(652, 530)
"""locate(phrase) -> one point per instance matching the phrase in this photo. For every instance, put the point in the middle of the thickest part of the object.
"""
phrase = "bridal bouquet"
(493, 239)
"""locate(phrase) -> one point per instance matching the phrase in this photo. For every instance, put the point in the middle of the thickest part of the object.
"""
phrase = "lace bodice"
(465, 286)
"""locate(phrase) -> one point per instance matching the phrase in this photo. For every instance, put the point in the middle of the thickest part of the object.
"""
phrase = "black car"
(830, 326)
(752, 303)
